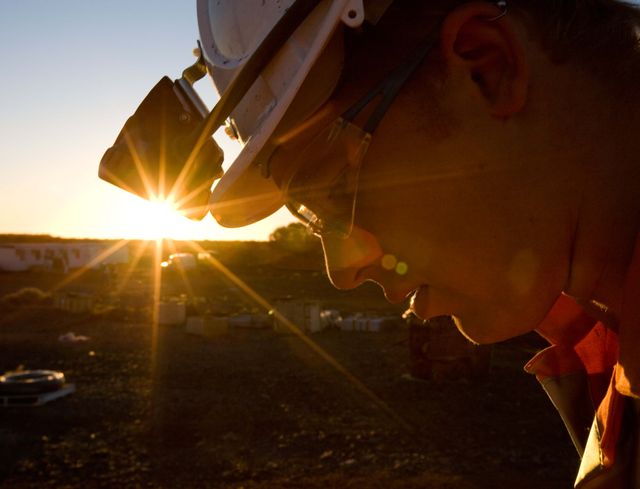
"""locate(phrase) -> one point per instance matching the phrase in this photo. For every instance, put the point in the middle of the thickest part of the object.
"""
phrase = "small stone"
(326, 454)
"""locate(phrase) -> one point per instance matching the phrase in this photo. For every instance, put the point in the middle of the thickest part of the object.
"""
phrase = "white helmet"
(300, 44)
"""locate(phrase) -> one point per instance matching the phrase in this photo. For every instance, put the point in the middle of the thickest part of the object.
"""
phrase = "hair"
(598, 38)
(601, 36)
(595, 34)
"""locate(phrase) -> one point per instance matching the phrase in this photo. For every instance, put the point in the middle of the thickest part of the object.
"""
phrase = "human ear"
(484, 45)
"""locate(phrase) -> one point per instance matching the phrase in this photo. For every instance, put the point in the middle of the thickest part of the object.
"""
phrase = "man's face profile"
(446, 193)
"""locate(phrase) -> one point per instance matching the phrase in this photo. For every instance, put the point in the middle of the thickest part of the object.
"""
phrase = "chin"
(490, 330)
(480, 324)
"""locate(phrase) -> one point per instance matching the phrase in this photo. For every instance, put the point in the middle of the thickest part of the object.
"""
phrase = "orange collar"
(610, 358)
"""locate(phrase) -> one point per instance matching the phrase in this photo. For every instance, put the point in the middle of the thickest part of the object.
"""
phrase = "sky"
(72, 72)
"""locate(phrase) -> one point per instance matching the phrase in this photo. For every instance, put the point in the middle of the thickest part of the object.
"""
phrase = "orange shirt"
(593, 371)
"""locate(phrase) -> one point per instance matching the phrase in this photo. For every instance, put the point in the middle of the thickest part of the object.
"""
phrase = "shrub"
(294, 238)
(27, 296)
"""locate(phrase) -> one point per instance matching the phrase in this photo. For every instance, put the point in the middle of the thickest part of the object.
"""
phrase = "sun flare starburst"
(157, 219)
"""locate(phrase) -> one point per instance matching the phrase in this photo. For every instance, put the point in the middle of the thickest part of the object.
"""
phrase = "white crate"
(210, 327)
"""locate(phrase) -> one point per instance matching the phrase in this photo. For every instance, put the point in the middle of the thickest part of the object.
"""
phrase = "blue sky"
(72, 72)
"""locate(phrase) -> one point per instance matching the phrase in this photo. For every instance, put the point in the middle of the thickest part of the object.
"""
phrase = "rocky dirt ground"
(157, 408)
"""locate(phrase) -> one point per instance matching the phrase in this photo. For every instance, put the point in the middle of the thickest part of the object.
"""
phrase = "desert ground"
(156, 407)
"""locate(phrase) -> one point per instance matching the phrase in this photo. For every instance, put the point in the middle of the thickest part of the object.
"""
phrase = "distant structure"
(59, 257)
(305, 314)
(180, 261)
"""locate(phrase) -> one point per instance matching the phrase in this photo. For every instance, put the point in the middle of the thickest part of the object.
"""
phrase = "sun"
(158, 219)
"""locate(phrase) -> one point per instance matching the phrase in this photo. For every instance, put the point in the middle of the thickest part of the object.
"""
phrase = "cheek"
(408, 208)
(470, 244)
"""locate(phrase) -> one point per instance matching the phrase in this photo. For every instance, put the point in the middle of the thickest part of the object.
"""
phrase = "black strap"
(389, 88)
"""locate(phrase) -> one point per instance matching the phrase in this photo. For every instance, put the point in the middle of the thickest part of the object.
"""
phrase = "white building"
(21, 257)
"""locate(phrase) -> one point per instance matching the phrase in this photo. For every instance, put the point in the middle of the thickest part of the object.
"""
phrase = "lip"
(396, 297)
(400, 293)
(417, 299)
(394, 292)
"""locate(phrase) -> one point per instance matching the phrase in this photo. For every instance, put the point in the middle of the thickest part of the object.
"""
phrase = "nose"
(346, 258)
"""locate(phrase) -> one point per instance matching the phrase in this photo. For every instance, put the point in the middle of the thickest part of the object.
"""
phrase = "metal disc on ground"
(31, 382)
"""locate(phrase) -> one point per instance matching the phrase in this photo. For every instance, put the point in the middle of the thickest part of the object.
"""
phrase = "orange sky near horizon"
(74, 71)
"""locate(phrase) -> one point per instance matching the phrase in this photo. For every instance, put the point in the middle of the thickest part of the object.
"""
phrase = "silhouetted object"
(32, 387)
(161, 151)
(438, 351)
